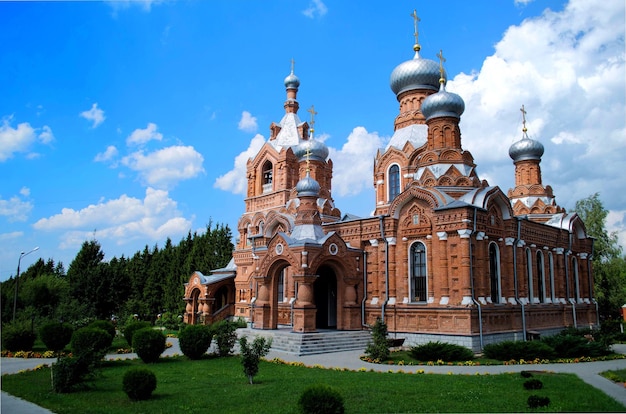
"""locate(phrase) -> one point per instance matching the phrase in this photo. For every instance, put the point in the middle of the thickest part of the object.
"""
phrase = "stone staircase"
(321, 342)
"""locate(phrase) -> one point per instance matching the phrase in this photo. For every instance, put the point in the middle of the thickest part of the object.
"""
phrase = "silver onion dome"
(307, 186)
(526, 149)
(442, 104)
(315, 149)
(416, 73)
(292, 81)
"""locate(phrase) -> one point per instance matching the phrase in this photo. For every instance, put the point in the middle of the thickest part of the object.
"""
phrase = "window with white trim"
(394, 181)
(417, 269)
(494, 273)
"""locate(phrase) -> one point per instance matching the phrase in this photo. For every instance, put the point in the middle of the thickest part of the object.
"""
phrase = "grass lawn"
(218, 385)
(618, 375)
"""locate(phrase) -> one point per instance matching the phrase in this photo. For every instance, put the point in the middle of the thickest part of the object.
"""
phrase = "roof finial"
(441, 60)
(311, 110)
(524, 129)
(293, 64)
(416, 19)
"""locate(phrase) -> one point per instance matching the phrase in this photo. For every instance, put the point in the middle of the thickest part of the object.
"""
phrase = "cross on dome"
(416, 20)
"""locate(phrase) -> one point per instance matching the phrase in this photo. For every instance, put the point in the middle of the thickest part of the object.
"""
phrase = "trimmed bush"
(18, 337)
(70, 373)
(138, 383)
(529, 351)
(194, 340)
(225, 333)
(536, 401)
(105, 326)
(251, 355)
(90, 343)
(433, 351)
(149, 344)
(133, 327)
(378, 348)
(56, 335)
(574, 346)
(320, 399)
(533, 384)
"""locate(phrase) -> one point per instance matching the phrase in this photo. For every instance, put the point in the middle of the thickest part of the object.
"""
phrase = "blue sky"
(131, 121)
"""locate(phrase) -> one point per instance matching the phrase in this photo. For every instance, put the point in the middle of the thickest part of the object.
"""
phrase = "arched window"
(267, 176)
(541, 278)
(529, 275)
(418, 272)
(394, 181)
(551, 271)
(494, 272)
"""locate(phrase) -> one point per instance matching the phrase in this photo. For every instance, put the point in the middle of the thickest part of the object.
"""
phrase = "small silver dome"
(292, 81)
(526, 149)
(416, 73)
(443, 103)
(307, 186)
(318, 151)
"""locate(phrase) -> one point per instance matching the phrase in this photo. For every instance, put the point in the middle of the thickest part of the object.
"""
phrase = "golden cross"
(441, 60)
(523, 118)
(311, 110)
(416, 20)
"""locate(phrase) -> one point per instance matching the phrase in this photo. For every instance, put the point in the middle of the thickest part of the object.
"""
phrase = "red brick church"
(445, 256)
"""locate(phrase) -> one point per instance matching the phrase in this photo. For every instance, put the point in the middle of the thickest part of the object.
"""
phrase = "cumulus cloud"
(145, 5)
(247, 122)
(141, 136)
(315, 8)
(16, 208)
(235, 180)
(108, 155)
(166, 167)
(95, 115)
(21, 138)
(121, 220)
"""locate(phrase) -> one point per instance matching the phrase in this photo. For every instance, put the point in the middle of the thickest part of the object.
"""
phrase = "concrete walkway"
(587, 371)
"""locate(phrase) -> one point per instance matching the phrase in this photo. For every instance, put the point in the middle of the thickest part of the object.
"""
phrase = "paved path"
(587, 371)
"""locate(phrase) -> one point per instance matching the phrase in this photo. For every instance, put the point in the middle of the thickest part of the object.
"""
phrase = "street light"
(22, 254)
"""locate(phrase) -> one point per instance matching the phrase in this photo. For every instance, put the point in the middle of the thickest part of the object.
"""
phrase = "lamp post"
(22, 254)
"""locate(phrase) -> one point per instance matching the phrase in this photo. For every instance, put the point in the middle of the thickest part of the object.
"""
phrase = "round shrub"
(433, 351)
(56, 335)
(90, 343)
(138, 383)
(70, 373)
(320, 399)
(149, 344)
(105, 326)
(194, 340)
(133, 327)
(536, 401)
(529, 351)
(225, 333)
(18, 337)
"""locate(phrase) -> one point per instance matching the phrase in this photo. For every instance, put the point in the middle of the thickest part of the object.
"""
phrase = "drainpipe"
(477, 303)
(363, 324)
(517, 299)
(382, 234)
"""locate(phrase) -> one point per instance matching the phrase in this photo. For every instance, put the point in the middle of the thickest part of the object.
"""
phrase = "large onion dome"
(316, 150)
(292, 81)
(416, 73)
(307, 186)
(443, 104)
(526, 149)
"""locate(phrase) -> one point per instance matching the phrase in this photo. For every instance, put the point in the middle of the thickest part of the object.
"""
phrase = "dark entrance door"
(325, 291)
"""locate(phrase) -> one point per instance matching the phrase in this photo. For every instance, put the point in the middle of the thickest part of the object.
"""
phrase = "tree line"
(149, 283)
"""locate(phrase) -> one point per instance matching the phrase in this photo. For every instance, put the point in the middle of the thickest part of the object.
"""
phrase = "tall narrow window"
(494, 272)
(281, 286)
(529, 275)
(575, 276)
(551, 271)
(394, 181)
(418, 272)
(267, 176)
(541, 278)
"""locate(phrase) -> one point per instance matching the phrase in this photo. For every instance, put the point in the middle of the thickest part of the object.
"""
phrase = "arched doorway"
(325, 293)
(195, 306)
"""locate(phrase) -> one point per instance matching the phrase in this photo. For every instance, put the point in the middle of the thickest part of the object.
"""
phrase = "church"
(445, 256)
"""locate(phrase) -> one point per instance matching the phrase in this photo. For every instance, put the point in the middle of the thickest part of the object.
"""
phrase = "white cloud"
(141, 136)
(145, 5)
(14, 140)
(166, 167)
(247, 122)
(121, 220)
(46, 135)
(316, 7)
(235, 180)
(108, 155)
(16, 208)
(95, 114)
(353, 163)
